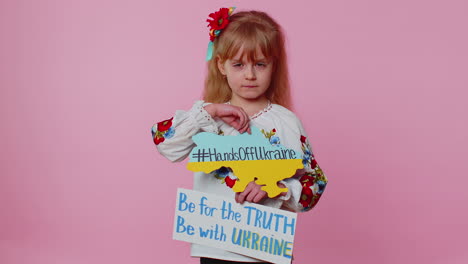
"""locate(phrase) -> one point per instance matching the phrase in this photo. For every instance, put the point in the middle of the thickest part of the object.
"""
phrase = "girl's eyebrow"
(240, 60)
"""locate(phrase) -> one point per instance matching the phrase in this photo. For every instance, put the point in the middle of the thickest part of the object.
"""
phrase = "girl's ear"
(220, 65)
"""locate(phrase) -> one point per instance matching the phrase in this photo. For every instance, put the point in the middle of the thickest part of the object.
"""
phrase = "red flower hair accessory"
(219, 21)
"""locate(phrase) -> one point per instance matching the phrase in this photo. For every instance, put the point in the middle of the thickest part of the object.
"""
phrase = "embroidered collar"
(259, 113)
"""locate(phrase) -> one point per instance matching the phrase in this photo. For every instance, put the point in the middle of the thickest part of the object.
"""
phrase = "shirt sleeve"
(173, 137)
(306, 187)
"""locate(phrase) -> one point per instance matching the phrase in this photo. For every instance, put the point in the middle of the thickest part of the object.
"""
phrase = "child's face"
(248, 79)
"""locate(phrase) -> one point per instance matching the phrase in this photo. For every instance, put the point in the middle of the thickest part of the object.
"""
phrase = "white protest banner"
(250, 229)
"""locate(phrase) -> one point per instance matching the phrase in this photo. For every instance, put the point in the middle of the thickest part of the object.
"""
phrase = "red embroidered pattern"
(313, 182)
(162, 130)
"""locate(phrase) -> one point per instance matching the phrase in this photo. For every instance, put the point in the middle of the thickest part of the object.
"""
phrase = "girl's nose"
(250, 73)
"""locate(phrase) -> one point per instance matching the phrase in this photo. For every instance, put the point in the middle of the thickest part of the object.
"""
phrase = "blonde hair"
(249, 29)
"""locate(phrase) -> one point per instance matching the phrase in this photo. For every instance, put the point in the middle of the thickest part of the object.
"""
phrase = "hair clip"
(219, 20)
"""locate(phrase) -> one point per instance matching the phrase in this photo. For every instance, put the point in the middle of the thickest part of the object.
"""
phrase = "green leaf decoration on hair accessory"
(209, 52)
(214, 33)
(231, 10)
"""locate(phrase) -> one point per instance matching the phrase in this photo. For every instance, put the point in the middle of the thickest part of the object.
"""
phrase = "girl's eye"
(261, 64)
(237, 64)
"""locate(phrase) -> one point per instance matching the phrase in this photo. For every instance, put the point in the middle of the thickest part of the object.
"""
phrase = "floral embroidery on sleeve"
(162, 130)
(313, 182)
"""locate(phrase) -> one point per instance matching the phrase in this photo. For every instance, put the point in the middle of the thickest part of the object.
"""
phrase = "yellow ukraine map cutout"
(250, 156)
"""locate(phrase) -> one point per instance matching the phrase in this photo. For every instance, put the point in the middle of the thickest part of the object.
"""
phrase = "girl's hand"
(231, 115)
(254, 194)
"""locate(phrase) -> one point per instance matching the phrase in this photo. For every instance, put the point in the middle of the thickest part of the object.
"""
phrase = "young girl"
(247, 85)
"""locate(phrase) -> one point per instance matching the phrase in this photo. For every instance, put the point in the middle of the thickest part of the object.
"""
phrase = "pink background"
(380, 86)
